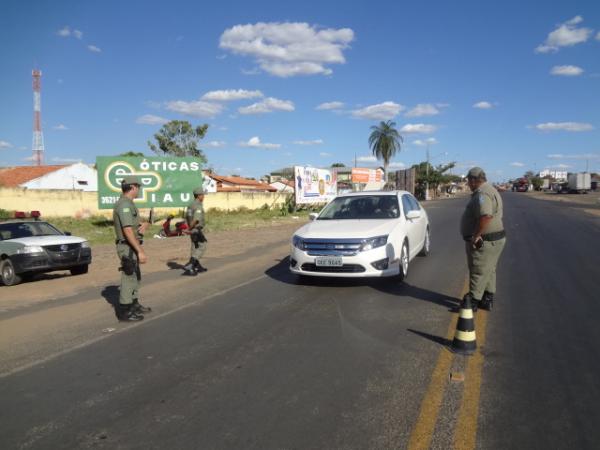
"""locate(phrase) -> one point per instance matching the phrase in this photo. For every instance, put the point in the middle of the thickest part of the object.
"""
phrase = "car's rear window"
(16, 230)
(361, 207)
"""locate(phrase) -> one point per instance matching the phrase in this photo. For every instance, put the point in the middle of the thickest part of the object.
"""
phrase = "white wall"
(67, 178)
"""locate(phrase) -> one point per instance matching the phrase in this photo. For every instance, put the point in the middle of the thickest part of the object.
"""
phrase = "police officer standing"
(483, 232)
(194, 217)
(129, 234)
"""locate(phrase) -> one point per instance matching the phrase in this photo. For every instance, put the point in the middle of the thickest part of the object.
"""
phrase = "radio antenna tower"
(38, 137)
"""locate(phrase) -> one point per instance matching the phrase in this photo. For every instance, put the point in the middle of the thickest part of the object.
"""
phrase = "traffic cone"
(464, 342)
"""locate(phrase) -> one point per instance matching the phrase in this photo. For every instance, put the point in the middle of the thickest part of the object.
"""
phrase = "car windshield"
(361, 207)
(15, 230)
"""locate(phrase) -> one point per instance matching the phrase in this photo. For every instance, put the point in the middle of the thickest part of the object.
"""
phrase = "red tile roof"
(237, 184)
(15, 176)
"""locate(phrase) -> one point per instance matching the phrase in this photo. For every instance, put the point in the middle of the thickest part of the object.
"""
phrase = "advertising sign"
(360, 175)
(314, 185)
(166, 182)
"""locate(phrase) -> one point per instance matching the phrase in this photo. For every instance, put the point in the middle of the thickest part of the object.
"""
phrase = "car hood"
(47, 240)
(340, 229)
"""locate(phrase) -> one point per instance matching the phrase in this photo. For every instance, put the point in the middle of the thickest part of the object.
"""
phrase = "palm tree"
(384, 142)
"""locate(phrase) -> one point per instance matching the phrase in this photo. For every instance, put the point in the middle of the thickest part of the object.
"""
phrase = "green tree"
(384, 142)
(437, 176)
(338, 165)
(131, 154)
(179, 138)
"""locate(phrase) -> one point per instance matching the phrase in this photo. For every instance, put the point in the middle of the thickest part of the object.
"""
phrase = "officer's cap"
(476, 172)
(131, 179)
(199, 191)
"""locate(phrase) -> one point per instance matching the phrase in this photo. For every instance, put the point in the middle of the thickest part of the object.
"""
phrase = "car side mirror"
(414, 214)
(313, 216)
(67, 233)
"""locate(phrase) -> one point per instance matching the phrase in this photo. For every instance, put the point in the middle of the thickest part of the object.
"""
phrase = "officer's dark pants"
(482, 266)
(130, 284)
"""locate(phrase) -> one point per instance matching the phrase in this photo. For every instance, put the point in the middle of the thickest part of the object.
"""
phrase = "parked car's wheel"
(79, 270)
(7, 273)
(404, 257)
(426, 245)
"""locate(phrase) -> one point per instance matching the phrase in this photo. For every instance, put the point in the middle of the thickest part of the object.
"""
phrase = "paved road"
(248, 359)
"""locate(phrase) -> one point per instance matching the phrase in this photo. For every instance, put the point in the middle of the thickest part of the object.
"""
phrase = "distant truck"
(579, 183)
(521, 185)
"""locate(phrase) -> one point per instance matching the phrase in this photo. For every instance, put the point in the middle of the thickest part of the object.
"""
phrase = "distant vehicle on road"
(29, 245)
(362, 234)
(521, 185)
(579, 183)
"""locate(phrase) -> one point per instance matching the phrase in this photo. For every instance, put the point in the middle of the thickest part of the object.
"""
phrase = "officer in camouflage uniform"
(129, 234)
(194, 217)
(481, 228)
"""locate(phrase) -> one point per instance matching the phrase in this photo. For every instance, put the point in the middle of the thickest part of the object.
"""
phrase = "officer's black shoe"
(138, 308)
(487, 301)
(190, 273)
(128, 314)
(200, 268)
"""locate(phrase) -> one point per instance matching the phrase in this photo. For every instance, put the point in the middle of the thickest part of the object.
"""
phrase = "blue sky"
(510, 86)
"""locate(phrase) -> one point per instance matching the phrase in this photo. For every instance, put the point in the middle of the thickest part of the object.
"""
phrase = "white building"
(78, 176)
(556, 174)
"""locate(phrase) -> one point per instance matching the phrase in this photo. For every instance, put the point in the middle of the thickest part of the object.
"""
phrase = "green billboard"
(166, 182)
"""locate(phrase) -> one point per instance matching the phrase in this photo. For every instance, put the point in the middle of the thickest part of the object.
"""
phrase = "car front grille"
(64, 254)
(62, 247)
(332, 247)
(346, 268)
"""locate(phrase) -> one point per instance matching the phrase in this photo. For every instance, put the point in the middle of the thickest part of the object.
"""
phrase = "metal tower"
(38, 137)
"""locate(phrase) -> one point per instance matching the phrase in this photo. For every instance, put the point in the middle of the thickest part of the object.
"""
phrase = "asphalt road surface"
(243, 357)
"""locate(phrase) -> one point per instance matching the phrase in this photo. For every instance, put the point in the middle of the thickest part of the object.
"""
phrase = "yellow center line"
(420, 437)
(465, 431)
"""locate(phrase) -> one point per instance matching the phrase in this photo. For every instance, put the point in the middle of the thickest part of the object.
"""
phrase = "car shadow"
(111, 295)
(280, 272)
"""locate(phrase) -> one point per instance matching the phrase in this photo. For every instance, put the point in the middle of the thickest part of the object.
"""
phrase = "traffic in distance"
(29, 245)
(362, 234)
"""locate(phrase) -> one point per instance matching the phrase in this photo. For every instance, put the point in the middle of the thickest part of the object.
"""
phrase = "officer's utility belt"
(490, 237)
(124, 241)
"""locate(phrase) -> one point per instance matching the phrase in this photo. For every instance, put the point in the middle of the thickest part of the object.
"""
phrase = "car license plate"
(328, 261)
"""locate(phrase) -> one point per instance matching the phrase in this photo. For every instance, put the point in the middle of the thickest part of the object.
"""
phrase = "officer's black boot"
(487, 301)
(138, 308)
(474, 301)
(126, 313)
(190, 268)
(198, 267)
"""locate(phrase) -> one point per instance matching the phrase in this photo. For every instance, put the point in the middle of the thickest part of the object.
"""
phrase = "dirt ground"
(590, 203)
(163, 254)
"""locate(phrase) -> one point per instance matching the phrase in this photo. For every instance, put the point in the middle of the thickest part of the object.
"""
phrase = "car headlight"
(30, 249)
(85, 244)
(298, 242)
(371, 243)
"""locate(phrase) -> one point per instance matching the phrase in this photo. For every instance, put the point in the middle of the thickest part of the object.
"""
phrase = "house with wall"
(78, 176)
(238, 184)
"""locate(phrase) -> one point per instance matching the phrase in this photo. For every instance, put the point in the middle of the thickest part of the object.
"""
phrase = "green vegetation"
(179, 138)
(384, 142)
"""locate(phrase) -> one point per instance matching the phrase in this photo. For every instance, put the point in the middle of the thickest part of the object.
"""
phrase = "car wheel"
(426, 244)
(7, 273)
(79, 270)
(403, 272)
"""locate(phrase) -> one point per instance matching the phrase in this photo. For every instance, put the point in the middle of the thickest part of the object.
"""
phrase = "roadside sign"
(166, 182)
(314, 185)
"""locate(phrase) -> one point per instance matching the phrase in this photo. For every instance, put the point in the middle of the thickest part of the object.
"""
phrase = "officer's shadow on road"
(281, 273)
(172, 265)
(111, 295)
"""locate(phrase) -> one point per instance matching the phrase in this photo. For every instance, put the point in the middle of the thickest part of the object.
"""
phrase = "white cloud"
(397, 165)
(93, 48)
(58, 159)
(150, 119)
(253, 71)
(560, 166)
(152, 104)
(369, 158)
(576, 156)
(231, 95)
(598, 36)
(313, 142)
(268, 105)
(64, 32)
(517, 164)
(197, 108)
(483, 105)
(426, 142)
(215, 144)
(60, 127)
(567, 71)
(423, 109)
(381, 111)
(255, 142)
(325, 154)
(418, 128)
(289, 49)
(5, 144)
(78, 34)
(330, 106)
(564, 126)
(566, 35)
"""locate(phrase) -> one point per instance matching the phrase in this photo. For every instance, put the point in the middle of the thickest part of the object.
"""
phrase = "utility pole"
(427, 175)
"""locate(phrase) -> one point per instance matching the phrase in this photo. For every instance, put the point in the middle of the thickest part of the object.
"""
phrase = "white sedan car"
(362, 234)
